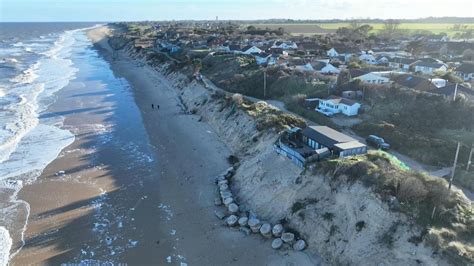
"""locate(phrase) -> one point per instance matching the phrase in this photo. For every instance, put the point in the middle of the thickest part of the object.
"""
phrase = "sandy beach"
(138, 183)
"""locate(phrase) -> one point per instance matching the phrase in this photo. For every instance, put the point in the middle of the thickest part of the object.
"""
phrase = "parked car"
(377, 142)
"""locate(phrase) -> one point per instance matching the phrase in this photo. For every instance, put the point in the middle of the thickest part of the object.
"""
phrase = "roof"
(357, 72)
(326, 136)
(349, 145)
(414, 82)
(262, 55)
(466, 68)
(317, 65)
(449, 91)
(246, 48)
(338, 100)
(346, 49)
(429, 64)
(402, 60)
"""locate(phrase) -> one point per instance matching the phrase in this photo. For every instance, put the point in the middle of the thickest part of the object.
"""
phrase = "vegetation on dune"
(447, 215)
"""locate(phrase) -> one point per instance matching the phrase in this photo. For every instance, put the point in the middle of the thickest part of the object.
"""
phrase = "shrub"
(412, 190)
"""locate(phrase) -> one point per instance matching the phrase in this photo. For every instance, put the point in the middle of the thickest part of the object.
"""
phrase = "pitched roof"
(449, 91)
(357, 72)
(429, 64)
(414, 82)
(466, 68)
(338, 100)
(402, 60)
(326, 136)
(317, 65)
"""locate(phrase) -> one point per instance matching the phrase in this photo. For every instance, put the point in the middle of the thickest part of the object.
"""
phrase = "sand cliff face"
(346, 223)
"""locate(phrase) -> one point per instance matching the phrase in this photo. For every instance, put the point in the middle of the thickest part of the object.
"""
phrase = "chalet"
(466, 71)
(325, 68)
(368, 58)
(346, 52)
(262, 58)
(320, 137)
(429, 67)
(368, 77)
(401, 63)
(334, 105)
(414, 82)
(314, 143)
(249, 49)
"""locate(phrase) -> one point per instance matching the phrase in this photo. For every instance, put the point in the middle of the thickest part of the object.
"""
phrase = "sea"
(35, 64)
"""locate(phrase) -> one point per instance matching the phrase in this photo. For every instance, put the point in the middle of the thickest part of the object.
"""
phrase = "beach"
(137, 185)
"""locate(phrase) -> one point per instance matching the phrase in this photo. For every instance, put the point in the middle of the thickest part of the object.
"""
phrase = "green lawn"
(308, 28)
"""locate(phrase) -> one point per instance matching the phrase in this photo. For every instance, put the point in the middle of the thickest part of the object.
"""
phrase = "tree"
(468, 55)
(390, 28)
(416, 47)
(251, 28)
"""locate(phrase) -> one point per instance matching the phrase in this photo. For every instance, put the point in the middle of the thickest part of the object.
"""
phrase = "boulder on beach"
(226, 194)
(288, 237)
(217, 201)
(231, 220)
(223, 187)
(299, 245)
(243, 221)
(277, 243)
(220, 214)
(254, 224)
(266, 230)
(277, 230)
(233, 208)
(228, 201)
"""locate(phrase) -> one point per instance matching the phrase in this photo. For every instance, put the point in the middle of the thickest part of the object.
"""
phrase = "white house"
(430, 68)
(382, 59)
(250, 49)
(262, 58)
(466, 71)
(368, 77)
(325, 67)
(285, 45)
(368, 58)
(439, 83)
(335, 105)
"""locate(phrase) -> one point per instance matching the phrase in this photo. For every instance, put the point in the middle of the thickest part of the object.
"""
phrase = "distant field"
(306, 29)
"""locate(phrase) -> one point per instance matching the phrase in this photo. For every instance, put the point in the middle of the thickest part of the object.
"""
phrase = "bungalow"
(249, 49)
(320, 137)
(382, 59)
(325, 68)
(430, 68)
(450, 89)
(401, 63)
(414, 82)
(368, 77)
(334, 105)
(368, 58)
(466, 71)
(262, 58)
(284, 45)
(346, 52)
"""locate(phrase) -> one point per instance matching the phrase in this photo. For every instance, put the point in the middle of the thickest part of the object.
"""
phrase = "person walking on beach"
(152, 106)
(158, 106)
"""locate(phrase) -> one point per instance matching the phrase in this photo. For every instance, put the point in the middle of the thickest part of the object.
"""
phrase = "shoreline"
(164, 208)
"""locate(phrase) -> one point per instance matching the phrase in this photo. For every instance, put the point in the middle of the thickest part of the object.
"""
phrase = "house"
(368, 58)
(346, 52)
(262, 58)
(284, 45)
(450, 89)
(250, 49)
(466, 71)
(368, 77)
(382, 59)
(320, 137)
(325, 68)
(414, 82)
(429, 67)
(334, 105)
(401, 63)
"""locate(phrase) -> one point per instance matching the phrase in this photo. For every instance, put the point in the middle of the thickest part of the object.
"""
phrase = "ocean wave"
(5, 245)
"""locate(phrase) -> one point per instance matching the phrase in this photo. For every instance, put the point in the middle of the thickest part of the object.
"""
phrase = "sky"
(132, 10)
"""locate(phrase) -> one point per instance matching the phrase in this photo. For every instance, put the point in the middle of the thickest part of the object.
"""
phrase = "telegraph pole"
(455, 92)
(454, 166)
(470, 158)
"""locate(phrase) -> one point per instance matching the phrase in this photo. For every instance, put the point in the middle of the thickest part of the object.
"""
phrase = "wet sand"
(143, 195)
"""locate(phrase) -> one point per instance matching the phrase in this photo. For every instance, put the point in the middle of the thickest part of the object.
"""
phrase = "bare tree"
(390, 28)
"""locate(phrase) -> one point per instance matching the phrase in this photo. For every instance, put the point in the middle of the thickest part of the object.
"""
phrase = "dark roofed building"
(449, 90)
(318, 137)
(414, 82)
(466, 71)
